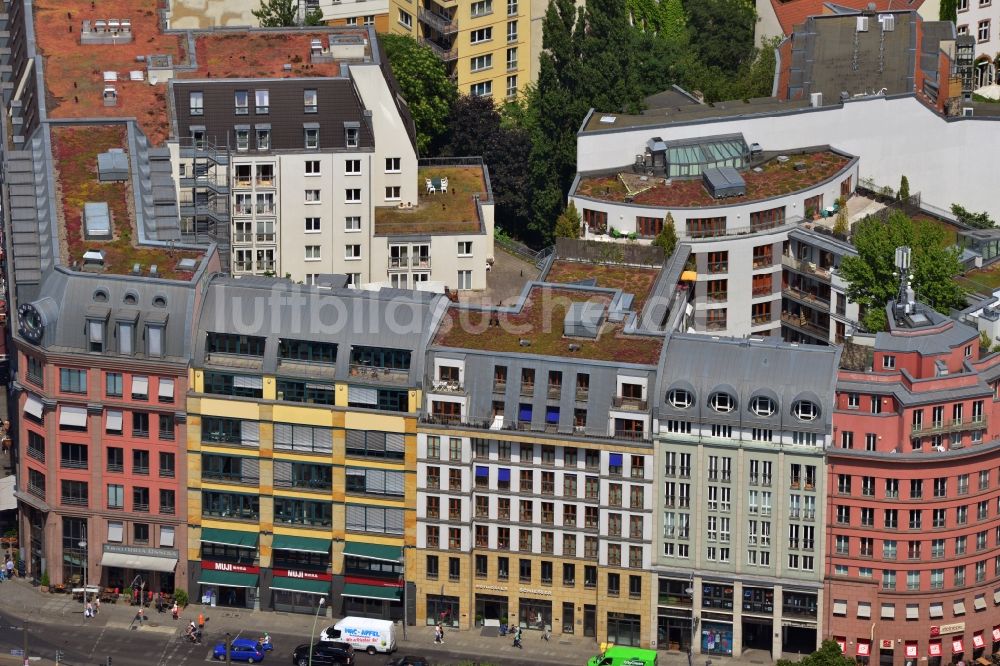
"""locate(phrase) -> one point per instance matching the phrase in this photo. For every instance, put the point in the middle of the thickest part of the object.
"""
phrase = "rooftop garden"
(451, 212)
(636, 281)
(540, 321)
(74, 72)
(774, 179)
(981, 280)
(258, 55)
(75, 149)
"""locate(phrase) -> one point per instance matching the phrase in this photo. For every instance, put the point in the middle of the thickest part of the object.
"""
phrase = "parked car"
(408, 661)
(324, 653)
(241, 649)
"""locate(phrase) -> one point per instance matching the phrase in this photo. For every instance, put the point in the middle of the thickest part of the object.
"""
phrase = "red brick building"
(913, 571)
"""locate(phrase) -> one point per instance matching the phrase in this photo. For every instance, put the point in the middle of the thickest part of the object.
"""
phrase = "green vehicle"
(620, 655)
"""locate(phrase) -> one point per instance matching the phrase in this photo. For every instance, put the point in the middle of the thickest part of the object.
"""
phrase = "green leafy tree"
(425, 85)
(984, 342)
(314, 17)
(840, 225)
(904, 189)
(667, 238)
(721, 31)
(871, 276)
(977, 220)
(476, 127)
(828, 654)
(276, 13)
(948, 11)
(568, 224)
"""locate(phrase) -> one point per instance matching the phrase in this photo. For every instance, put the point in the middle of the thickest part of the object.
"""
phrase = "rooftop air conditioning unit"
(862, 24)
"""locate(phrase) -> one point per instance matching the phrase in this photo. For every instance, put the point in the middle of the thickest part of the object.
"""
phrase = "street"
(91, 645)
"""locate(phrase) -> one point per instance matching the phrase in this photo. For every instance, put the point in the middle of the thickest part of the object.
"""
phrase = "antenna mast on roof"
(904, 299)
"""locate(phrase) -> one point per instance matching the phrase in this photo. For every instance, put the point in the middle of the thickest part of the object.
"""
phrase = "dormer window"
(263, 102)
(95, 335)
(197, 106)
(722, 402)
(680, 399)
(761, 405)
(154, 340)
(126, 338)
(804, 410)
(351, 132)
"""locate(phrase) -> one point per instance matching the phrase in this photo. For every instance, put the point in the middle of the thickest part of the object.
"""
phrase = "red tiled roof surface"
(791, 13)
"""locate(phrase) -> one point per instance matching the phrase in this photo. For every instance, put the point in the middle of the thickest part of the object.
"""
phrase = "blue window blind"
(482, 471)
(504, 474)
(552, 415)
(615, 460)
(524, 413)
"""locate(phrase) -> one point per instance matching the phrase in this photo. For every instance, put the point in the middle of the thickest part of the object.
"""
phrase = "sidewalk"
(20, 598)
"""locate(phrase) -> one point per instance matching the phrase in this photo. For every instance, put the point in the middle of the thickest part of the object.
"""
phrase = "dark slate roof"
(941, 336)
(787, 372)
(275, 308)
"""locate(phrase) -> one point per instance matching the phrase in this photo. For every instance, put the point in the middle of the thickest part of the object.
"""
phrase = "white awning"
(958, 607)
(33, 406)
(140, 385)
(243, 381)
(936, 609)
(166, 388)
(864, 610)
(996, 596)
(980, 603)
(139, 562)
(839, 607)
(912, 612)
(74, 417)
(7, 500)
(115, 531)
(114, 420)
(888, 612)
(166, 536)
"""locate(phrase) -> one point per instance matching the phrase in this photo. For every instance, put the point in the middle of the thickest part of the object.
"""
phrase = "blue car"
(241, 649)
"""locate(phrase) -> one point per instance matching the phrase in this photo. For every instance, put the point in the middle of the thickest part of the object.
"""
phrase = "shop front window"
(716, 638)
(624, 629)
(535, 614)
(74, 555)
(442, 609)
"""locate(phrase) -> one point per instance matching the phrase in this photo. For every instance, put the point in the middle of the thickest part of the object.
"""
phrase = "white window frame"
(462, 252)
(314, 106)
(393, 165)
(348, 228)
(481, 35)
(405, 19)
(313, 196)
(352, 167)
(480, 63)
(311, 136)
(196, 102)
(352, 195)
(393, 192)
(464, 278)
(314, 225)
(260, 96)
(313, 168)
(312, 253)
(349, 254)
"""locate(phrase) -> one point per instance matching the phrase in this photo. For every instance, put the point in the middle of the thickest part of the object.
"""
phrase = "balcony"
(445, 54)
(807, 267)
(74, 501)
(554, 391)
(717, 296)
(265, 209)
(715, 324)
(499, 385)
(139, 507)
(977, 422)
(399, 262)
(453, 387)
(582, 393)
(527, 388)
(628, 404)
(803, 323)
(393, 375)
(37, 491)
(809, 299)
(443, 24)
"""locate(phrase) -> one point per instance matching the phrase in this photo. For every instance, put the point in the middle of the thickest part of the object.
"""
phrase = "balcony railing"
(628, 404)
(807, 267)
(443, 24)
(69, 463)
(582, 393)
(37, 491)
(399, 262)
(394, 375)
(140, 507)
(74, 501)
(36, 453)
(442, 386)
(804, 324)
(166, 510)
(443, 53)
(977, 422)
(806, 297)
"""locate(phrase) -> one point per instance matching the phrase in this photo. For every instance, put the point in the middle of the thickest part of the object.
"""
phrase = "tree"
(721, 31)
(840, 225)
(828, 654)
(314, 17)
(667, 238)
(425, 85)
(977, 220)
(948, 11)
(276, 13)
(871, 276)
(984, 342)
(568, 224)
(476, 127)
(904, 189)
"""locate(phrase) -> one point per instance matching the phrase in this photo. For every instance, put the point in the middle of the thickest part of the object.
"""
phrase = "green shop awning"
(321, 587)
(373, 551)
(227, 578)
(303, 544)
(229, 537)
(371, 592)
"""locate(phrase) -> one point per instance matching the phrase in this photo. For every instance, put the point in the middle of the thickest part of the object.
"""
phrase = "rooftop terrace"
(631, 280)
(75, 150)
(773, 179)
(540, 322)
(451, 212)
(74, 72)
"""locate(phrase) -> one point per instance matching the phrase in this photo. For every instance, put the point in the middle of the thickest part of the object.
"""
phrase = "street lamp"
(312, 636)
(402, 563)
(694, 624)
(83, 547)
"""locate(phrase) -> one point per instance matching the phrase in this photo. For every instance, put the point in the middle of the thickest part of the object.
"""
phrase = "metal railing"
(807, 267)
(629, 404)
(443, 24)
(951, 425)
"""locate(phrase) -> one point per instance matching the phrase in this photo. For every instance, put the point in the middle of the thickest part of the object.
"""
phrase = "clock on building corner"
(30, 323)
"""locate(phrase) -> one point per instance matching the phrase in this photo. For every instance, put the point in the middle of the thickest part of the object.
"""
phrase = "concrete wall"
(945, 161)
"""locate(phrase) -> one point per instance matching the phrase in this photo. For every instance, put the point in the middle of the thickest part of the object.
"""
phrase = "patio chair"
(444, 184)
(430, 186)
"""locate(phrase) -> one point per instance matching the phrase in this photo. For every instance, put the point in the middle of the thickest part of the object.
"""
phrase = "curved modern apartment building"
(733, 203)
(913, 529)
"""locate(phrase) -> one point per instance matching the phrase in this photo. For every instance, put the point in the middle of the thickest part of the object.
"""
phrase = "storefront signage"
(977, 641)
(934, 648)
(864, 648)
(956, 646)
(491, 588)
(141, 550)
(541, 593)
(911, 650)
(377, 582)
(996, 633)
(304, 575)
(945, 629)
(229, 566)
(887, 644)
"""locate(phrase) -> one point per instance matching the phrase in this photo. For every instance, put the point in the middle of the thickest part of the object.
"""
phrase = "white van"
(363, 633)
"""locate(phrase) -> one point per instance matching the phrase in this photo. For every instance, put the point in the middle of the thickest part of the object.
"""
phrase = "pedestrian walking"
(517, 638)
(88, 611)
(97, 605)
(175, 611)
(201, 622)
(441, 629)
(437, 634)
(10, 568)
